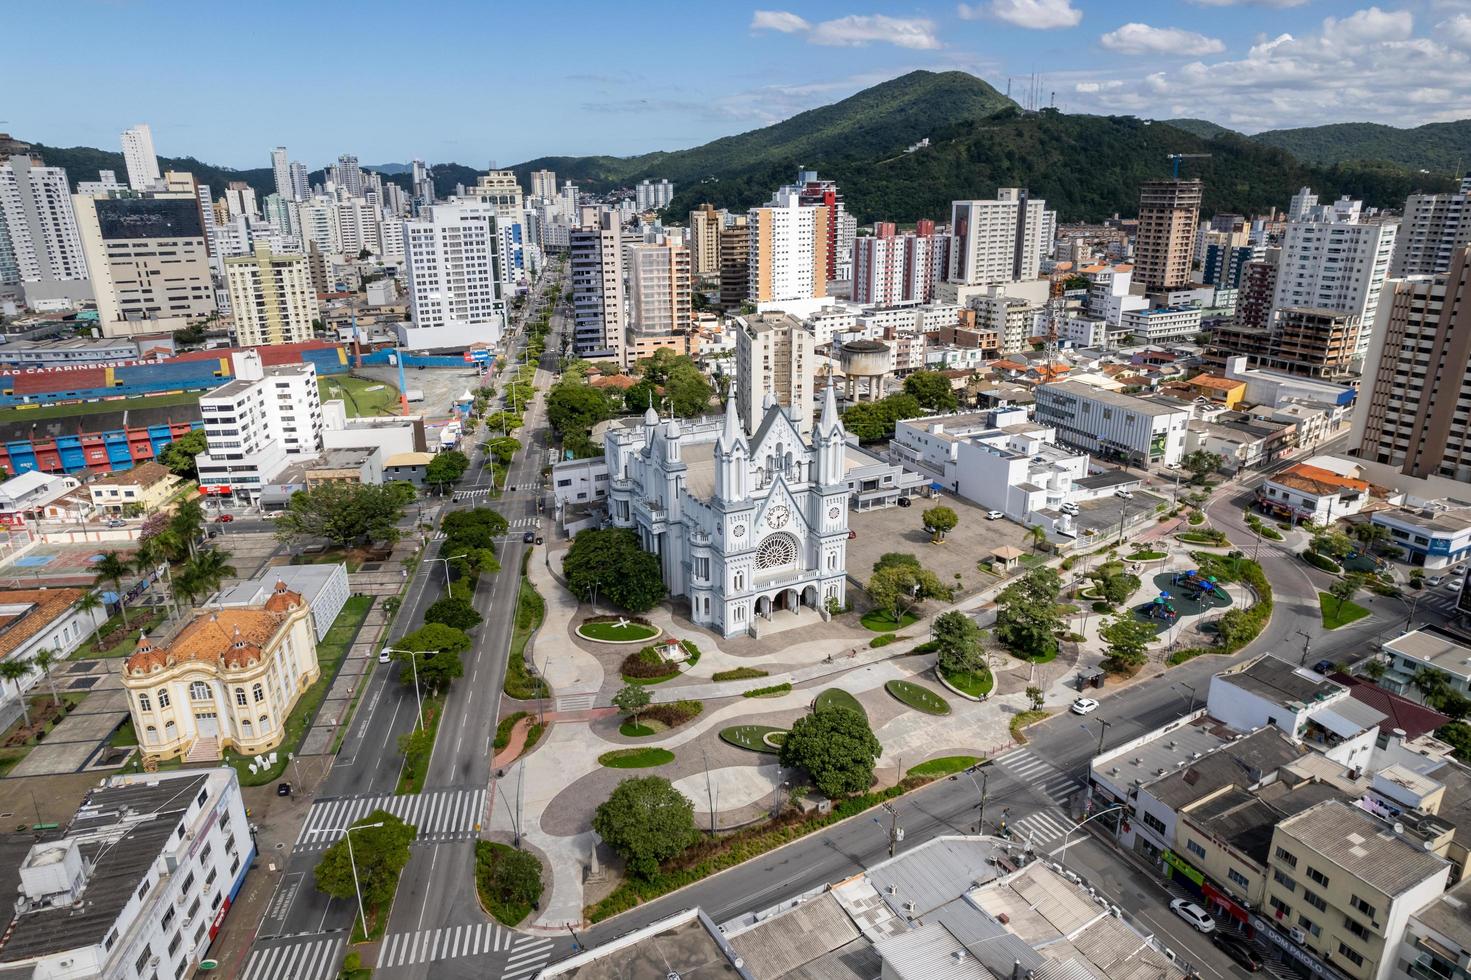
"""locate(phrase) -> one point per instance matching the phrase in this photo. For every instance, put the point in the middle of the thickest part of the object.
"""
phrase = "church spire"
(731, 433)
(651, 417)
(829, 420)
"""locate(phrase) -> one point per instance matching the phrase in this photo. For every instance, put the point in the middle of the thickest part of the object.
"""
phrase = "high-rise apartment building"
(543, 184)
(256, 424)
(1164, 246)
(500, 190)
(598, 315)
(318, 225)
(141, 161)
(659, 288)
(41, 252)
(241, 200)
(1332, 259)
(997, 241)
(105, 185)
(735, 262)
(775, 359)
(350, 175)
(705, 224)
(281, 170)
(149, 261)
(890, 269)
(651, 196)
(1414, 406)
(788, 252)
(301, 188)
(357, 226)
(451, 253)
(837, 229)
(1433, 228)
(1258, 290)
(271, 297)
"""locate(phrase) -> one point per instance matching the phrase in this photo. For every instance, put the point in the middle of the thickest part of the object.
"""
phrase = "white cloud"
(1038, 15)
(1456, 31)
(1143, 39)
(1249, 3)
(853, 31)
(1369, 26)
(778, 20)
(857, 30)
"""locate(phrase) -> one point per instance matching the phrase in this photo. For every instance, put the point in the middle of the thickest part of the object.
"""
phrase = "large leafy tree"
(575, 407)
(436, 652)
(900, 588)
(1201, 463)
(959, 640)
(932, 389)
(1026, 613)
(896, 559)
(453, 611)
(687, 390)
(380, 854)
(872, 421)
(632, 699)
(609, 564)
(939, 521)
(344, 513)
(446, 468)
(1128, 639)
(836, 747)
(646, 821)
(179, 455)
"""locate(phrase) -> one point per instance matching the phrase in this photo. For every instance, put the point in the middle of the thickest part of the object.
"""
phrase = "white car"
(994, 515)
(1083, 706)
(1454, 584)
(384, 656)
(1068, 508)
(1193, 914)
(1125, 494)
(1435, 581)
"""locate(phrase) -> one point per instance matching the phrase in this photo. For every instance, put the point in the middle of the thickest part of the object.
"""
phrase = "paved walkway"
(515, 742)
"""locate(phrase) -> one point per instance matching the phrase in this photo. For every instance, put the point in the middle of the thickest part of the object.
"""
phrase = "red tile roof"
(1401, 712)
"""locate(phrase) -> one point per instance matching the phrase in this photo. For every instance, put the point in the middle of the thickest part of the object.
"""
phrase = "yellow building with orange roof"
(228, 679)
(1226, 391)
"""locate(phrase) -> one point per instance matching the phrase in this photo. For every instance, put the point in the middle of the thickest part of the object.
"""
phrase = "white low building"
(324, 587)
(140, 884)
(1135, 431)
(1434, 536)
(1162, 324)
(1310, 492)
(24, 497)
(39, 619)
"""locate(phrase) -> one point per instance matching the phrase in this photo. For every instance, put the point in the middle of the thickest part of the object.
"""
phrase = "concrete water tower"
(865, 359)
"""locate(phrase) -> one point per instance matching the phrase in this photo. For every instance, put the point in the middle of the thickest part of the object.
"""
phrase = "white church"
(743, 527)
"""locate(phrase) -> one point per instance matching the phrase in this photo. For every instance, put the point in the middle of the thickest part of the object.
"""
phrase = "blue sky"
(475, 82)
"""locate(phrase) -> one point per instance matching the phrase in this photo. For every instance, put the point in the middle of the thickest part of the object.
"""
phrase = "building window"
(1154, 823)
(1308, 925)
(1363, 907)
(1351, 954)
(240, 697)
(144, 704)
(1285, 881)
(1356, 928)
(1194, 848)
(1279, 906)
(143, 888)
(199, 691)
(1237, 878)
(163, 697)
(258, 692)
(143, 958)
(1317, 877)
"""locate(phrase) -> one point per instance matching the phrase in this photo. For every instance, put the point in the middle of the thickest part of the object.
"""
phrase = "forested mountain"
(1443, 148)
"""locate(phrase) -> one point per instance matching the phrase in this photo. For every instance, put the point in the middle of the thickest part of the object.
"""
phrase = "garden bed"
(738, 674)
(972, 686)
(835, 697)
(647, 667)
(609, 630)
(945, 765)
(636, 758)
(774, 690)
(1336, 614)
(1321, 562)
(918, 697)
(1146, 556)
(879, 621)
(1205, 538)
(751, 737)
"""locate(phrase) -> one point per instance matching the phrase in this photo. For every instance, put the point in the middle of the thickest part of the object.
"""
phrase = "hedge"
(646, 665)
(738, 674)
(673, 714)
(1321, 561)
(762, 692)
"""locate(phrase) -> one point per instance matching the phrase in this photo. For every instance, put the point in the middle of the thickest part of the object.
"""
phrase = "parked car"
(1125, 494)
(903, 501)
(117, 522)
(1239, 950)
(994, 515)
(1325, 667)
(1434, 581)
(224, 518)
(283, 789)
(1069, 508)
(1454, 584)
(529, 537)
(1084, 706)
(1193, 914)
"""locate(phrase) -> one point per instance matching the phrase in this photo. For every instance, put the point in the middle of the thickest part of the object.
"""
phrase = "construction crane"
(1175, 159)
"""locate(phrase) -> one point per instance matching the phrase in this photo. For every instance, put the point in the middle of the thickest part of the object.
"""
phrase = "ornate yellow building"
(228, 680)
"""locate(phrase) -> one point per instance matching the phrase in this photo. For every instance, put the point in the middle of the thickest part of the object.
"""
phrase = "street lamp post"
(1103, 727)
(1066, 838)
(414, 665)
(352, 861)
(446, 565)
(1180, 684)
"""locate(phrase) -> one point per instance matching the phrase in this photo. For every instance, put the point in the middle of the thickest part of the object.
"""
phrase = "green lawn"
(977, 684)
(124, 736)
(330, 654)
(944, 766)
(751, 737)
(520, 683)
(880, 621)
(836, 698)
(918, 697)
(1334, 616)
(629, 730)
(363, 396)
(1145, 556)
(39, 412)
(636, 758)
(614, 633)
(139, 621)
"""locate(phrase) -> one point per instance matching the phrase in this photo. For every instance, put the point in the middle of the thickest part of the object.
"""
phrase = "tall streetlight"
(414, 664)
(446, 565)
(1187, 687)
(1062, 860)
(1103, 727)
(356, 887)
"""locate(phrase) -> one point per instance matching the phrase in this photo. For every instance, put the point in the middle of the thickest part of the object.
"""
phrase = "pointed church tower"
(829, 439)
(731, 456)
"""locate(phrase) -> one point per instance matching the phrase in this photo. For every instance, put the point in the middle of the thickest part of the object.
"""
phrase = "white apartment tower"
(997, 241)
(141, 161)
(659, 288)
(650, 196)
(776, 364)
(40, 246)
(300, 187)
(787, 258)
(256, 424)
(281, 170)
(1433, 228)
(1332, 259)
(451, 252)
(271, 297)
(543, 184)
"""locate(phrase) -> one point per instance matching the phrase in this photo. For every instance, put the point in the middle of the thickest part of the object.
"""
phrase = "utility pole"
(981, 807)
(1307, 639)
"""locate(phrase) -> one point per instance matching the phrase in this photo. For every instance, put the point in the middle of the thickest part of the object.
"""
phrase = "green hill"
(1203, 128)
(1443, 148)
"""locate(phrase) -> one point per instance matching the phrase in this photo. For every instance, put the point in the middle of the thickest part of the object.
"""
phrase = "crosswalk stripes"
(439, 816)
(576, 702)
(529, 956)
(438, 535)
(526, 522)
(314, 958)
(1041, 775)
(524, 953)
(1041, 827)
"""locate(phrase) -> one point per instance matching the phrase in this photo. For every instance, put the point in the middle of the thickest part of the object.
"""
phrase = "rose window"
(776, 551)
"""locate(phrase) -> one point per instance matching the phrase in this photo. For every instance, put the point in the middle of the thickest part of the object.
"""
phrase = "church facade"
(744, 527)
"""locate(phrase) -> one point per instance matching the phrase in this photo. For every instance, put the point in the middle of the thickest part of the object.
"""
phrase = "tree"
(608, 563)
(1371, 536)
(1458, 735)
(836, 747)
(1037, 534)
(179, 455)
(872, 421)
(380, 854)
(1345, 589)
(436, 649)
(1035, 697)
(932, 390)
(475, 528)
(896, 559)
(1430, 683)
(111, 567)
(453, 611)
(645, 821)
(687, 390)
(1334, 544)
(575, 407)
(513, 877)
(938, 522)
(1234, 629)
(1200, 464)
(632, 699)
(504, 421)
(899, 589)
(1454, 705)
(1128, 639)
(446, 468)
(15, 670)
(46, 658)
(1375, 669)
(1114, 584)
(959, 640)
(205, 572)
(343, 513)
(503, 449)
(1026, 613)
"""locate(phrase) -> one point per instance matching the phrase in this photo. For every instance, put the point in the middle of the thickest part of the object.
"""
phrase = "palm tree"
(44, 660)
(206, 570)
(15, 670)
(150, 555)
(1038, 536)
(89, 603)
(187, 523)
(111, 567)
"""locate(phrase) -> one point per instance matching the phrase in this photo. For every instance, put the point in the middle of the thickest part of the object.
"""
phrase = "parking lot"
(899, 529)
(1101, 516)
